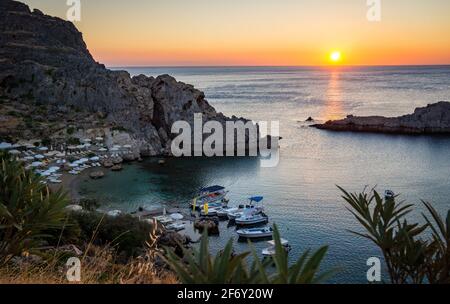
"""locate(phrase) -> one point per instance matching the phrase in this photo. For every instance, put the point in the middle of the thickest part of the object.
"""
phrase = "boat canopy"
(256, 199)
(212, 189)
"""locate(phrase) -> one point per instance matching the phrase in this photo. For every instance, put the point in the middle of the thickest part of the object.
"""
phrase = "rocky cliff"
(46, 68)
(432, 119)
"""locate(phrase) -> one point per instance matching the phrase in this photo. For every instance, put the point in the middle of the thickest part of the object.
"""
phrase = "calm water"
(300, 193)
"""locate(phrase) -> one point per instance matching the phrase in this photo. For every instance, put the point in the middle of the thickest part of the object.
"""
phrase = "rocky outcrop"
(432, 119)
(44, 61)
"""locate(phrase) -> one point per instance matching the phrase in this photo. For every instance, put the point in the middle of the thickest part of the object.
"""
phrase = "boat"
(164, 219)
(389, 194)
(250, 208)
(253, 233)
(210, 195)
(176, 226)
(223, 211)
(252, 219)
(211, 211)
(270, 251)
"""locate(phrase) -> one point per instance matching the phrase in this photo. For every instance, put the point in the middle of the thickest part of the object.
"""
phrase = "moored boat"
(252, 219)
(176, 226)
(214, 196)
(253, 233)
(253, 207)
(270, 251)
(389, 194)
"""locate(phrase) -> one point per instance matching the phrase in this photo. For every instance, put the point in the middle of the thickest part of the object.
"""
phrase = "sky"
(260, 32)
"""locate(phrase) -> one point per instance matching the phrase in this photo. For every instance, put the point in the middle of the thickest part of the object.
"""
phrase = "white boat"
(211, 211)
(164, 219)
(389, 194)
(176, 226)
(253, 207)
(253, 233)
(270, 251)
(224, 211)
(251, 219)
(114, 213)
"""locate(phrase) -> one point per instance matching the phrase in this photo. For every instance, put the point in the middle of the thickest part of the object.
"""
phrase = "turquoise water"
(300, 193)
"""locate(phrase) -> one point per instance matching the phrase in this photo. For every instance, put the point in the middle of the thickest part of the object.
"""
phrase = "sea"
(300, 193)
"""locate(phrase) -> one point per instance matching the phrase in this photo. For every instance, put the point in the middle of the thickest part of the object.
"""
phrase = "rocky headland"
(52, 88)
(432, 119)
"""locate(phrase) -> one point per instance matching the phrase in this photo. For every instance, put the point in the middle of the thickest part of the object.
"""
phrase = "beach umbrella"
(99, 138)
(127, 146)
(73, 165)
(114, 149)
(28, 157)
(14, 152)
(95, 158)
(103, 149)
(39, 156)
(5, 145)
(36, 164)
(43, 149)
(72, 147)
(177, 216)
(87, 140)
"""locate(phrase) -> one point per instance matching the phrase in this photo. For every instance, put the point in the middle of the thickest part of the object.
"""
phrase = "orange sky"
(260, 32)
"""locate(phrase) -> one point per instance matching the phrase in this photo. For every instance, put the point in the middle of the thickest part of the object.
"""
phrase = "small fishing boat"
(210, 195)
(164, 219)
(176, 226)
(389, 194)
(254, 233)
(253, 207)
(211, 211)
(270, 251)
(252, 219)
(223, 211)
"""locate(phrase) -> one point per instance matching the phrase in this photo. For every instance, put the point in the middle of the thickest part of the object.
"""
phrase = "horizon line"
(278, 66)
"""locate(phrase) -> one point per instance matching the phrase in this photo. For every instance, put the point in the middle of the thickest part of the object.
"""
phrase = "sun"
(335, 56)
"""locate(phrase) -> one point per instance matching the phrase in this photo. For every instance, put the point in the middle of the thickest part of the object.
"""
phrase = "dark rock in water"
(45, 61)
(309, 119)
(211, 224)
(107, 163)
(432, 119)
(97, 175)
(116, 168)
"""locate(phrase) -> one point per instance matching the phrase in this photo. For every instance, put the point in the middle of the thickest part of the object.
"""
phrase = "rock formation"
(432, 119)
(45, 62)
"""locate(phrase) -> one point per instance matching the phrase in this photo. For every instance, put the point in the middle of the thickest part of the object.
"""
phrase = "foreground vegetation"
(37, 236)
(413, 253)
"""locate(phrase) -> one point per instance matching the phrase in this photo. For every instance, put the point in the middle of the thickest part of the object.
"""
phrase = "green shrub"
(70, 130)
(27, 209)
(89, 204)
(124, 232)
(73, 141)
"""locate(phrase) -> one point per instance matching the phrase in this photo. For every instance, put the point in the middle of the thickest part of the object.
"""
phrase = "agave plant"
(27, 209)
(198, 266)
(409, 256)
(438, 266)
